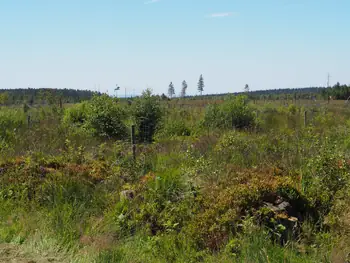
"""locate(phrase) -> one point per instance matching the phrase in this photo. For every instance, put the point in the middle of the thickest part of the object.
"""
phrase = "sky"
(97, 44)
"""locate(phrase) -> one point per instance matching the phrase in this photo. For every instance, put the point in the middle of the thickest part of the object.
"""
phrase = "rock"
(278, 208)
(127, 194)
(278, 200)
(283, 206)
(293, 219)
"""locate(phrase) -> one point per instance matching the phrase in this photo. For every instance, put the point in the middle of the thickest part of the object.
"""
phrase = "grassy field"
(227, 180)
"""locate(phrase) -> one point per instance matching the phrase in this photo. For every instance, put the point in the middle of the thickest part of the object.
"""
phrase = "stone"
(127, 194)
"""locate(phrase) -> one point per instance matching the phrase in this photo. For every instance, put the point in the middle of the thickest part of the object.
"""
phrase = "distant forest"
(54, 96)
(337, 92)
(44, 96)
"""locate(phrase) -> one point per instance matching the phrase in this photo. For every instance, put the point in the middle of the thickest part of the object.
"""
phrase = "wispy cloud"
(217, 15)
(151, 2)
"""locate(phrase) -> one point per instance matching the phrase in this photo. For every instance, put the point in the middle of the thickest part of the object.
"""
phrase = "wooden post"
(305, 118)
(133, 142)
(28, 121)
(232, 123)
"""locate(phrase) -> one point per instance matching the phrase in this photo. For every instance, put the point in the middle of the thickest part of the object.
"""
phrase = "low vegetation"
(234, 182)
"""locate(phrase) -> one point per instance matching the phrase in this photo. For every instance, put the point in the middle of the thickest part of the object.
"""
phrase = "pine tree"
(184, 88)
(201, 84)
(171, 90)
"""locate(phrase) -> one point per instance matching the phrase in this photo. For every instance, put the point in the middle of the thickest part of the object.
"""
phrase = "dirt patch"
(16, 254)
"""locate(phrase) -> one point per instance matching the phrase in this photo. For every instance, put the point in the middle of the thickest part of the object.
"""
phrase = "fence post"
(232, 122)
(133, 142)
(28, 121)
(305, 118)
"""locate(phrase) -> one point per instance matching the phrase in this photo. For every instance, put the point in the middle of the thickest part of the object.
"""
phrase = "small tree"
(4, 97)
(100, 116)
(171, 90)
(147, 114)
(25, 108)
(184, 88)
(106, 118)
(201, 84)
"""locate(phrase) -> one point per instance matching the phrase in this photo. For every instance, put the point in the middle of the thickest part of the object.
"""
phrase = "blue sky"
(86, 44)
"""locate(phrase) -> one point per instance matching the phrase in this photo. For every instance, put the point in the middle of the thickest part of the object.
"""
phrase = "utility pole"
(328, 79)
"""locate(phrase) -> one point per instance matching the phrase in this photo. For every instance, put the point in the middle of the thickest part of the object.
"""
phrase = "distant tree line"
(32, 96)
(43, 96)
(337, 92)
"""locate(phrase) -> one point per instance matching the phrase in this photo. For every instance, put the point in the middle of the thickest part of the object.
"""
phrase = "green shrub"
(163, 207)
(326, 175)
(102, 116)
(216, 117)
(147, 113)
(106, 117)
(76, 115)
(175, 128)
(10, 121)
(292, 109)
(234, 112)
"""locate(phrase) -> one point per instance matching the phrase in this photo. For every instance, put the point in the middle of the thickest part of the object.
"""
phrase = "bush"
(102, 115)
(147, 114)
(106, 117)
(11, 120)
(175, 128)
(76, 115)
(326, 176)
(234, 112)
